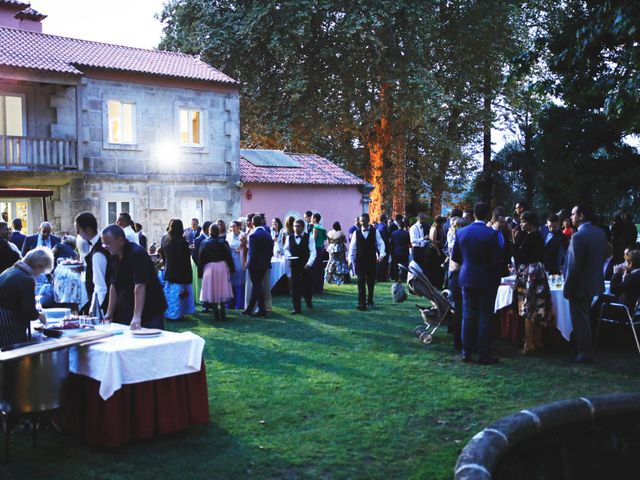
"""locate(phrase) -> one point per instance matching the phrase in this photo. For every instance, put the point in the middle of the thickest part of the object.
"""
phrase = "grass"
(334, 394)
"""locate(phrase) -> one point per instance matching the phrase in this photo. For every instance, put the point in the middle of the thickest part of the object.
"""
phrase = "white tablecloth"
(560, 307)
(124, 359)
(504, 297)
(277, 270)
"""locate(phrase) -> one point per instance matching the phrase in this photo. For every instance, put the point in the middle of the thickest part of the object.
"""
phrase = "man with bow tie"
(97, 272)
(300, 249)
(365, 251)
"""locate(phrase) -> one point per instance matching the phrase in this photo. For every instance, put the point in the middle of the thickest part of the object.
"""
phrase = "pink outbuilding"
(280, 184)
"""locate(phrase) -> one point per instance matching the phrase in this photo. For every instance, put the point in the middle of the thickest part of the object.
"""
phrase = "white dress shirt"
(416, 234)
(42, 242)
(298, 239)
(131, 235)
(365, 234)
(99, 264)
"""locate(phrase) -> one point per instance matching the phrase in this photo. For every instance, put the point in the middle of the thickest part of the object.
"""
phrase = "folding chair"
(618, 313)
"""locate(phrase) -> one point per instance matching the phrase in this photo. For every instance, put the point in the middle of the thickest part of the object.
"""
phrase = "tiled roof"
(39, 51)
(14, 3)
(313, 170)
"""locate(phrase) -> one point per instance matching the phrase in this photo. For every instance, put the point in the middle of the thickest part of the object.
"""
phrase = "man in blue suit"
(260, 250)
(477, 250)
(584, 276)
(43, 239)
(17, 238)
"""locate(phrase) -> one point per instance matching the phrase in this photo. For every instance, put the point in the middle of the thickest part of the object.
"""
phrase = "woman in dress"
(237, 277)
(337, 270)
(215, 265)
(278, 236)
(222, 227)
(17, 295)
(319, 237)
(532, 284)
(176, 255)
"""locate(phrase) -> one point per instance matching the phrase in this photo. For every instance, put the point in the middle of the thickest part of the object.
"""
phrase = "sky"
(123, 22)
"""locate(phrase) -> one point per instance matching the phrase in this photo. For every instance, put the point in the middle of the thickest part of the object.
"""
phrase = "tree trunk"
(487, 174)
(399, 163)
(378, 144)
(439, 182)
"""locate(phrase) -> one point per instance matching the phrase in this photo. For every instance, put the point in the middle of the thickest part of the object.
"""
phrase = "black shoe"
(260, 314)
(362, 308)
(467, 358)
(488, 361)
(583, 358)
(246, 312)
(370, 304)
(294, 312)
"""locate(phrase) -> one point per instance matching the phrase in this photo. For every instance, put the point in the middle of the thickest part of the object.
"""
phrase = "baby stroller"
(441, 307)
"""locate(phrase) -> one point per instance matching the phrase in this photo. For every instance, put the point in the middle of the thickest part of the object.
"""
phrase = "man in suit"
(260, 249)
(625, 283)
(300, 247)
(365, 251)
(419, 233)
(382, 273)
(43, 239)
(308, 221)
(477, 250)
(399, 249)
(9, 253)
(17, 237)
(553, 245)
(584, 277)
(190, 234)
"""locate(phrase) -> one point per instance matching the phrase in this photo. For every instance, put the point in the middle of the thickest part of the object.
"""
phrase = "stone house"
(110, 128)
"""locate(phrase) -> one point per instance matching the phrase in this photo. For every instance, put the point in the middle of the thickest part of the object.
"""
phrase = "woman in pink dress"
(215, 265)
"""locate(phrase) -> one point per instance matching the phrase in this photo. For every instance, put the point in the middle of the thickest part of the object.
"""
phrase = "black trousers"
(301, 281)
(402, 260)
(366, 272)
(257, 294)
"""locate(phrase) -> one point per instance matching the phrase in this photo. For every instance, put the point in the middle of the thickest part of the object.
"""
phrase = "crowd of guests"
(223, 267)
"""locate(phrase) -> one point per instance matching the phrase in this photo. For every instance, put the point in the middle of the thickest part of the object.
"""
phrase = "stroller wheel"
(419, 330)
(426, 339)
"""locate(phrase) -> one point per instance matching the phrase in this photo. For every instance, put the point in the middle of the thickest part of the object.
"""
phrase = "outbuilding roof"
(52, 53)
(311, 170)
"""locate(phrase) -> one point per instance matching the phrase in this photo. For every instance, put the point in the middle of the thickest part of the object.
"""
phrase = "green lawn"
(334, 394)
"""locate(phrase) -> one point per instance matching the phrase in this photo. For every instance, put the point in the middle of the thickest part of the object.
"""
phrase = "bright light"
(167, 155)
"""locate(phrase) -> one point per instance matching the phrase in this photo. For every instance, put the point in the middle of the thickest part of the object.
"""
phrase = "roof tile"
(313, 170)
(39, 51)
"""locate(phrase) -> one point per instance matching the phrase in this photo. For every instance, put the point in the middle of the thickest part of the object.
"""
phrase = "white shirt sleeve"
(312, 252)
(380, 243)
(417, 239)
(99, 262)
(352, 249)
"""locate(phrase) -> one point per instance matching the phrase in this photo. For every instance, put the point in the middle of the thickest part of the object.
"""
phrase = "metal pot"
(33, 383)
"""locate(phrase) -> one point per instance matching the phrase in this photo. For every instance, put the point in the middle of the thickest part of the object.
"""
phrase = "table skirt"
(139, 411)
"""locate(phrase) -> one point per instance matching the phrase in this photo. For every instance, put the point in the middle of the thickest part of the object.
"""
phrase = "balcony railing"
(38, 153)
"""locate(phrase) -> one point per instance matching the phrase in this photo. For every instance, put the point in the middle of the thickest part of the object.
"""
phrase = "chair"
(618, 313)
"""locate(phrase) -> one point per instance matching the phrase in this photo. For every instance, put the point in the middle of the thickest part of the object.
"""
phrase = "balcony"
(38, 154)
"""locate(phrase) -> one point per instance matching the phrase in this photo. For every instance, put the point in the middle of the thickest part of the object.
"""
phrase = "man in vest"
(365, 251)
(97, 273)
(300, 248)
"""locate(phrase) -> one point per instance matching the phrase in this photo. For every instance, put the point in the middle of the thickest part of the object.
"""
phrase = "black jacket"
(214, 250)
(8, 256)
(177, 260)
(17, 293)
(627, 290)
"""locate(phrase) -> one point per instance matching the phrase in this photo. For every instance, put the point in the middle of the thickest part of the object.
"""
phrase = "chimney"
(17, 14)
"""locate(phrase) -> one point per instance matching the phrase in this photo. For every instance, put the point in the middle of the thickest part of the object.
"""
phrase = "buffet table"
(277, 270)
(126, 388)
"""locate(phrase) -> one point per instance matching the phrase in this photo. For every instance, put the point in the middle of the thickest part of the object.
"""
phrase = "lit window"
(11, 115)
(190, 127)
(122, 122)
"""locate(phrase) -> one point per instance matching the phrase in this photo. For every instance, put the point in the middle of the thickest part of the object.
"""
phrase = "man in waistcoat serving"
(97, 260)
(365, 251)
(300, 248)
